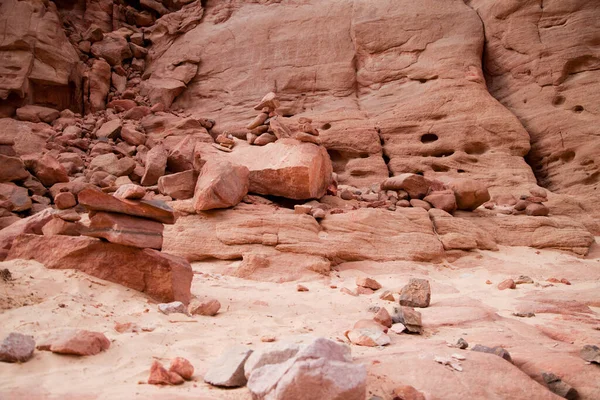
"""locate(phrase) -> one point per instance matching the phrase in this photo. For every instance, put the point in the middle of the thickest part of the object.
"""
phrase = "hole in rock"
(429, 137)
(460, 171)
(338, 160)
(419, 173)
(326, 126)
(442, 153)
(284, 202)
(567, 156)
(592, 179)
(476, 148)
(440, 168)
(577, 109)
(364, 155)
(558, 100)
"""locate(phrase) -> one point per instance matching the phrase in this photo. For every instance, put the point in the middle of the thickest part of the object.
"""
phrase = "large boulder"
(286, 168)
(179, 186)
(220, 185)
(469, 193)
(33, 224)
(113, 48)
(415, 185)
(95, 200)
(47, 169)
(156, 162)
(163, 277)
(33, 113)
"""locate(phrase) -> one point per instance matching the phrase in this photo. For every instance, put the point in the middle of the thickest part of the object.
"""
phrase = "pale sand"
(462, 305)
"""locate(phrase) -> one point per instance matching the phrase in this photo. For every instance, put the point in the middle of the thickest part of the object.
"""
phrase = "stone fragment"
(156, 162)
(364, 290)
(507, 284)
(126, 230)
(110, 129)
(113, 48)
(179, 186)
(417, 293)
(469, 193)
(590, 353)
(264, 139)
(228, 369)
(133, 137)
(449, 362)
(269, 101)
(407, 392)
(499, 351)
(557, 386)
(368, 337)
(182, 367)
(12, 169)
(258, 120)
(220, 185)
(462, 344)
(162, 276)
(130, 191)
(318, 213)
(523, 279)
(383, 317)
(112, 165)
(17, 347)
(160, 376)
(369, 324)
(95, 200)
(348, 291)
(387, 295)
(174, 307)
(368, 283)
(420, 203)
(65, 200)
(408, 317)
(48, 170)
(415, 185)
(398, 328)
(205, 306)
(537, 210)
(77, 342)
(444, 200)
(301, 288)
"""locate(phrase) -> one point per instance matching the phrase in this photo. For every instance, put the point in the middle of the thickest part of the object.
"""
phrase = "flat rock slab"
(126, 230)
(95, 200)
(161, 276)
(228, 370)
(76, 342)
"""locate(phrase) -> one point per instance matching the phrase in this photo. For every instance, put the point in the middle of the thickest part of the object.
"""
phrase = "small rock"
(17, 347)
(207, 306)
(590, 353)
(537, 210)
(416, 294)
(271, 354)
(499, 351)
(488, 282)
(348, 291)
(462, 344)
(459, 357)
(507, 284)
(383, 317)
(557, 386)
(364, 290)
(130, 191)
(301, 288)
(448, 361)
(407, 392)
(228, 370)
(267, 339)
(160, 376)
(127, 327)
(65, 200)
(368, 337)
(523, 279)
(524, 314)
(172, 308)
(318, 213)
(387, 295)
(410, 318)
(182, 367)
(77, 342)
(398, 328)
(368, 283)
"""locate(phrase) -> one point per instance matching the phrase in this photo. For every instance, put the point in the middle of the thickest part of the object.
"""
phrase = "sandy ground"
(39, 301)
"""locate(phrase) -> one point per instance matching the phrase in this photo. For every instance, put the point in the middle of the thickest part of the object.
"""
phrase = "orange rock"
(507, 284)
(366, 282)
(301, 288)
(383, 317)
(407, 393)
(182, 367)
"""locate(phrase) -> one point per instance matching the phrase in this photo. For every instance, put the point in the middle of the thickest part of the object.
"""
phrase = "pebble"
(301, 288)
(173, 308)
(368, 283)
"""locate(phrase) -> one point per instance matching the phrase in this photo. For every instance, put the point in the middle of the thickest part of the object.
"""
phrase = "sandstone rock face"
(286, 168)
(38, 61)
(162, 277)
(542, 64)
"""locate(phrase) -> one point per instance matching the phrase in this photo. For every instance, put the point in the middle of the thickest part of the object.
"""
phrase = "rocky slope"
(289, 138)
